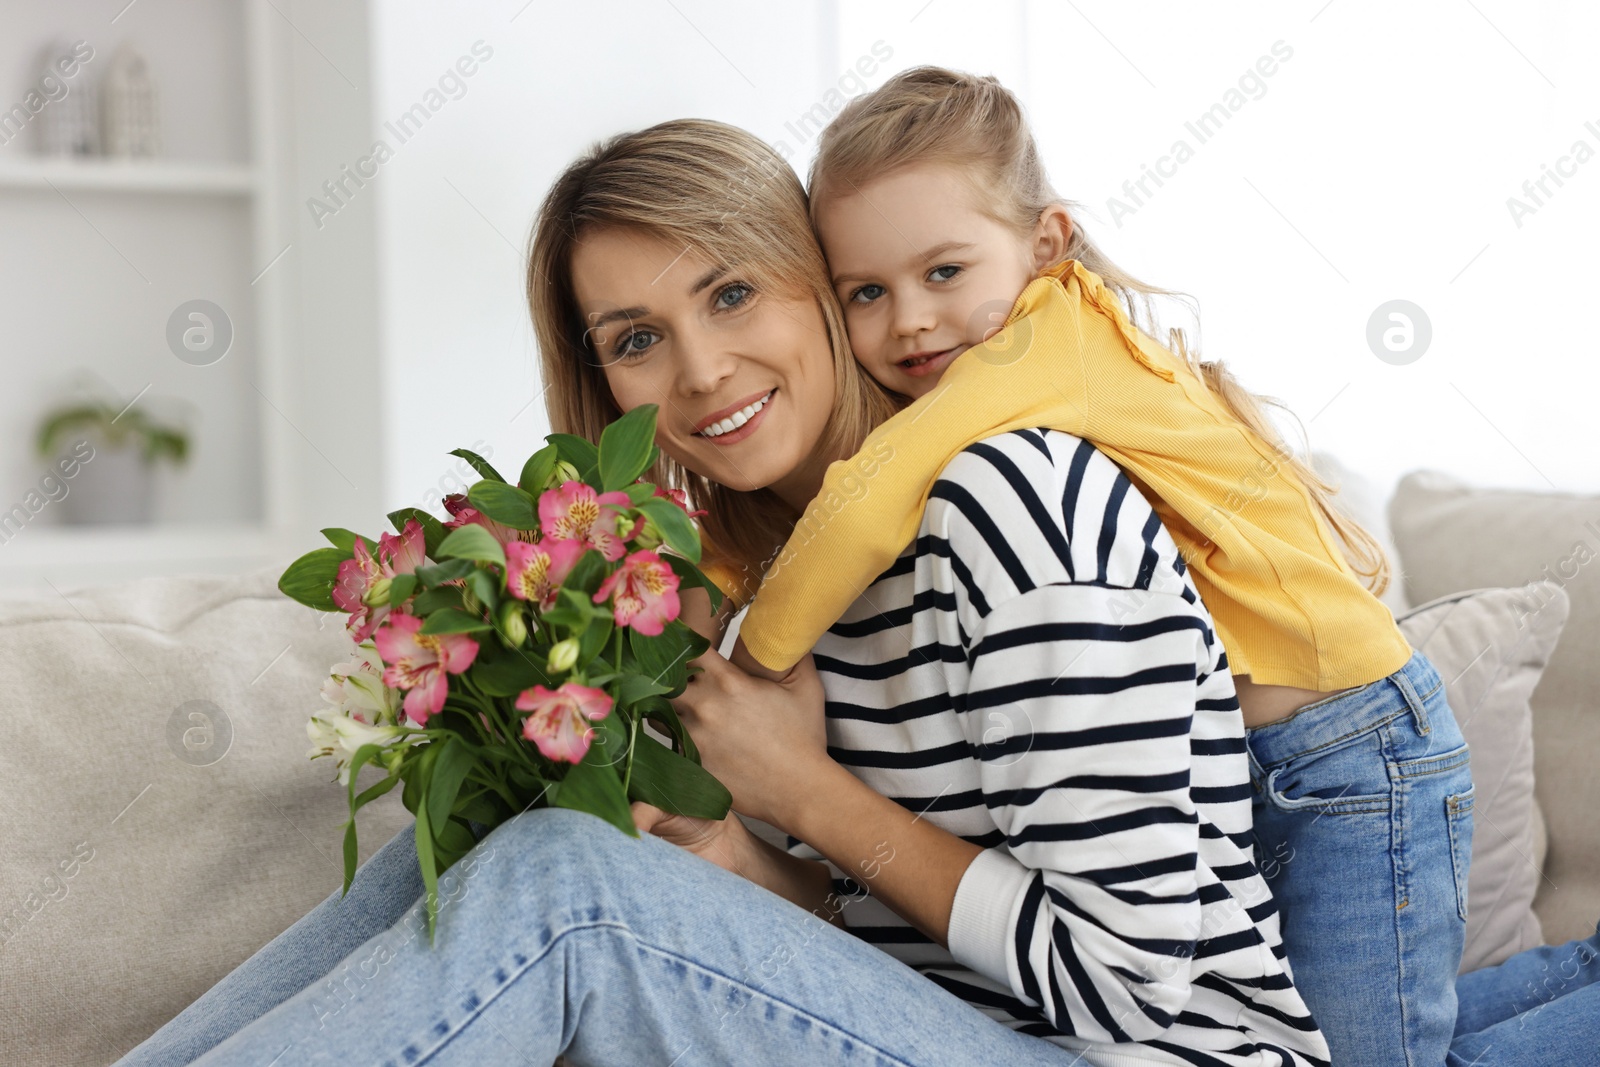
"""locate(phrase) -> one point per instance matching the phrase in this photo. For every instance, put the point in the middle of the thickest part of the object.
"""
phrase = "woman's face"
(744, 379)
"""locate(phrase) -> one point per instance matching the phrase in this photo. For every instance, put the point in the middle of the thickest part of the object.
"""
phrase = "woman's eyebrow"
(598, 319)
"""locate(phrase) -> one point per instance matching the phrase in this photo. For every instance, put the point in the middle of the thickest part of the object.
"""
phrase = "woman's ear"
(1052, 235)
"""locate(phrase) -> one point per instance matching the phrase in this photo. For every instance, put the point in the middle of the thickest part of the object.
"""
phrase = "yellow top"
(1287, 605)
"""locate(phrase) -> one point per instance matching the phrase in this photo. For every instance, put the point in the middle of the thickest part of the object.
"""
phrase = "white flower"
(356, 688)
(341, 736)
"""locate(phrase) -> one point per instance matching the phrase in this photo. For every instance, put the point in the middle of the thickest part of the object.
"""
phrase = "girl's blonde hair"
(723, 192)
(930, 114)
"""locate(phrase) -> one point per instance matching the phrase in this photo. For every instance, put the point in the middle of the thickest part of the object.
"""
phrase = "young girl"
(940, 228)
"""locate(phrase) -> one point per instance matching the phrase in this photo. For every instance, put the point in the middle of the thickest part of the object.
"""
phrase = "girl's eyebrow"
(926, 256)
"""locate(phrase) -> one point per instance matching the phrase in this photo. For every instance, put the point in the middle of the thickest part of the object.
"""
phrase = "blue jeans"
(1363, 822)
(558, 933)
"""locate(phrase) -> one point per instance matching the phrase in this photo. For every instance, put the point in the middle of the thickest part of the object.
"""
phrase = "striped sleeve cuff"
(983, 912)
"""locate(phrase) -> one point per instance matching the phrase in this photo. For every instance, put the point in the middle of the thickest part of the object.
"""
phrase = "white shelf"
(143, 176)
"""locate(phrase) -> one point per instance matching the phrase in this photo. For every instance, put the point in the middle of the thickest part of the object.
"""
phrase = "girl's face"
(744, 379)
(922, 273)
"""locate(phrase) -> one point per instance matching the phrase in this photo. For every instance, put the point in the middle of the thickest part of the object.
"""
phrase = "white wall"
(1375, 165)
(456, 201)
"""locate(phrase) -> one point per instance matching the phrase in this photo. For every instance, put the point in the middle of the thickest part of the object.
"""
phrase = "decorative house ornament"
(65, 111)
(128, 99)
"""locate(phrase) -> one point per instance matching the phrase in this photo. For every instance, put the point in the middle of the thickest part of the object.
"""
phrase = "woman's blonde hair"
(725, 193)
(930, 114)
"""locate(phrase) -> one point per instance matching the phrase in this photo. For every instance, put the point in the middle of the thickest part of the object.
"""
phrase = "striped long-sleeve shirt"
(1038, 675)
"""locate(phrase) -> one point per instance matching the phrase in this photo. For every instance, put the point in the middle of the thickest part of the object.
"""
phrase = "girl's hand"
(721, 841)
(766, 741)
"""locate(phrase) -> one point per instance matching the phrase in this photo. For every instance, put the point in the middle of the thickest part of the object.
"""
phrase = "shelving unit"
(117, 176)
(193, 197)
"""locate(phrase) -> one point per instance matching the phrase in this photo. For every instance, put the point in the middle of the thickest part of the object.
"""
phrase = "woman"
(555, 930)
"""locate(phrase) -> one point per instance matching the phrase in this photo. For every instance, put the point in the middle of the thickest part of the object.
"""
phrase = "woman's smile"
(733, 424)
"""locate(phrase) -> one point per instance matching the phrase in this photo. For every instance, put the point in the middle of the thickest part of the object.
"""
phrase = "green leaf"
(345, 540)
(310, 579)
(369, 795)
(594, 786)
(446, 596)
(350, 855)
(660, 711)
(674, 784)
(510, 674)
(433, 530)
(505, 503)
(580, 453)
(449, 771)
(485, 586)
(433, 574)
(452, 839)
(472, 542)
(665, 659)
(594, 639)
(479, 464)
(587, 574)
(636, 687)
(611, 739)
(430, 875)
(400, 587)
(451, 621)
(691, 577)
(625, 447)
(675, 526)
(639, 491)
(538, 469)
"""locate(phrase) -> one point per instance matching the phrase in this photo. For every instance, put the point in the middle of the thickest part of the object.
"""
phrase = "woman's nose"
(703, 365)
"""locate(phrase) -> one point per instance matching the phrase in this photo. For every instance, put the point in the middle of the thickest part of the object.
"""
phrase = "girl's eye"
(628, 347)
(938, 275)
(866, 294)
(739, 290)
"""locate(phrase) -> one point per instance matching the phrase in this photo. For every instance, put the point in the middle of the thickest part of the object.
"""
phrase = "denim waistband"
(1344, 715)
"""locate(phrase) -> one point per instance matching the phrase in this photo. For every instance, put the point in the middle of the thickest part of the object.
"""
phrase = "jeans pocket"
(1458, 812)
(1349, 778)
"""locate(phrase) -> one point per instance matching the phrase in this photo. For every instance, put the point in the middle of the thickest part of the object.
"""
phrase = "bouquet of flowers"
(506, 658)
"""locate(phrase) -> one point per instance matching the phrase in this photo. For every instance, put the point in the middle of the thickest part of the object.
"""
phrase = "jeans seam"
(485, 1001)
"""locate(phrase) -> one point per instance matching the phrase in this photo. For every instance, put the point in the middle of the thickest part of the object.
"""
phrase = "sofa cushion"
(159, 818)
(1490, 651)
(1452, 536)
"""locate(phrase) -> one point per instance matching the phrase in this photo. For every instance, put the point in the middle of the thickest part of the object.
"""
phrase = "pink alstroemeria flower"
(646, 593)
(560, 721)
(680, 498)
(401, 554)
(575, 512)
(535, 572)
(464, 514)
(420, 663)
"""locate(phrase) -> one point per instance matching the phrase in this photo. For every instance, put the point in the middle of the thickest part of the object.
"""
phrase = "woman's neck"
(800, 486)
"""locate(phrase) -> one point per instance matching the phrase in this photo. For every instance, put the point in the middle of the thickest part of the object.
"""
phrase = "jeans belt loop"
(1409, 691)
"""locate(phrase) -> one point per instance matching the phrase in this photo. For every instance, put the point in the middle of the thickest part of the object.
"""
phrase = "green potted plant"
(115, 483)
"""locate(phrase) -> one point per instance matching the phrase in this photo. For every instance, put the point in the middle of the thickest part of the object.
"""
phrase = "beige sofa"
(159, 820)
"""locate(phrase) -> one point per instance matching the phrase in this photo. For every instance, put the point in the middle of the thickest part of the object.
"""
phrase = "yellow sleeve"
(1031, 373)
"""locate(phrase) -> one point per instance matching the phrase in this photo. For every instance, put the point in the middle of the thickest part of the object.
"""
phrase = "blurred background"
(265, 257)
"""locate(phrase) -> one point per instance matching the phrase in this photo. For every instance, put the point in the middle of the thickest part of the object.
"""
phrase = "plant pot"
(113, 487)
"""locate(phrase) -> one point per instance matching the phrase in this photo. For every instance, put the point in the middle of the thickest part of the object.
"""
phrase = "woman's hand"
(721, 841)
(766, 741)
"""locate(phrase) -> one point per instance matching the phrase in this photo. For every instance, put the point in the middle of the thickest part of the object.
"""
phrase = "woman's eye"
(738, 290)
(628, 346)
(938, 273)
(866, 294)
